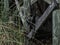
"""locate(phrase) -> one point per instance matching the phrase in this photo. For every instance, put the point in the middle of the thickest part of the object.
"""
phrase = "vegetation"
(10, 28)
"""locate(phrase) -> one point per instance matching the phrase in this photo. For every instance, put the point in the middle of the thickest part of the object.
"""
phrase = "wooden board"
(56, 27)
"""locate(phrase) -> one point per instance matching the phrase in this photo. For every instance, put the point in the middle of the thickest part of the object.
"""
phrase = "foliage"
(10, 33)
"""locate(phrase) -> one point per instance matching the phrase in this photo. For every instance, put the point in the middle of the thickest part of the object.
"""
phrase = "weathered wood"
(56, 27)
(44, 16)
(41, 19)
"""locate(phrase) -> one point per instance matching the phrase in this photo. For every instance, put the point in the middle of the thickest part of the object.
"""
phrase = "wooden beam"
(41, 20)
(44, 16)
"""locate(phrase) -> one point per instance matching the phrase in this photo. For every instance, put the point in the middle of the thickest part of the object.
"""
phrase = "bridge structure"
(29, 15)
